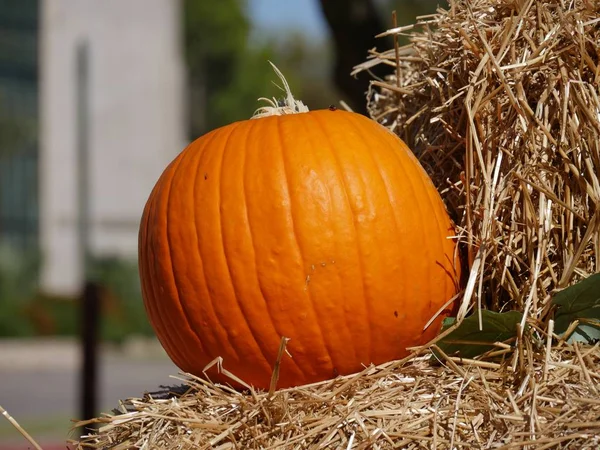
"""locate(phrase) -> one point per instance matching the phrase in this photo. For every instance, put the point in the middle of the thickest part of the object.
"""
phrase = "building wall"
(136, 124)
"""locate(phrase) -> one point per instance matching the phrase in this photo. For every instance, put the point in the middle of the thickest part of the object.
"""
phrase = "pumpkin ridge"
(415, 193)
(343, 178)
(339, 278)
(216, 335)
(254, 127)
(384, 180)
(187, 315)
(429, 251)
(166, 185)
(249, 329)
(144, 268)
(177, 341)
(199, 153)
(360, 125)
(435, 205)
(299, 247)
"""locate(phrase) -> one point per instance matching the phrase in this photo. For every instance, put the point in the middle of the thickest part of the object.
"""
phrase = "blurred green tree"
(226, 74)
(15, 133)
(228, 69)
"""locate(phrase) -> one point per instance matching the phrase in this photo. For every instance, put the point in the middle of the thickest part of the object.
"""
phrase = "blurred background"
(96, 98)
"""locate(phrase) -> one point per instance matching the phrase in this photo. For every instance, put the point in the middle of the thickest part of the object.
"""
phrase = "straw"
(456, 404)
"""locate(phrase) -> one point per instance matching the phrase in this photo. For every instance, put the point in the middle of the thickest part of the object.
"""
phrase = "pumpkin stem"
(286, 105)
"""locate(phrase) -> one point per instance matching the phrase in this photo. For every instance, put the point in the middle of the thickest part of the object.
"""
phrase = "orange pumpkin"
(318, 226)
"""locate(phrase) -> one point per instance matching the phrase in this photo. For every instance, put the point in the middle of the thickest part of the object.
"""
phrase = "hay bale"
(461, 404)
(500, 101)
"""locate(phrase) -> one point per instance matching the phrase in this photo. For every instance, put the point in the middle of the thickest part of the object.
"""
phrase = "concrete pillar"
(136, 124)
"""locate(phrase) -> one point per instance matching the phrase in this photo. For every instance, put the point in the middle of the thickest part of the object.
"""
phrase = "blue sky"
(281, 15)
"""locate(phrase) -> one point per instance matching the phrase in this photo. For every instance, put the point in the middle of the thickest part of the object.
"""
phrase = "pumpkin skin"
(321, 227)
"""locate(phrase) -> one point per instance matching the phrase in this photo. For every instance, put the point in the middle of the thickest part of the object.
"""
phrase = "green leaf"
(469, 341)
(579, 302)
(448, 322)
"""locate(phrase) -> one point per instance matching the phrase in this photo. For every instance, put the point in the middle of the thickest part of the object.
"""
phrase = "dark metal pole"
(90, 300)
(89, 333)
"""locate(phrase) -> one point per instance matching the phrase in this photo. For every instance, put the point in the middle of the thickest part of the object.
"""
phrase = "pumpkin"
(317, 226)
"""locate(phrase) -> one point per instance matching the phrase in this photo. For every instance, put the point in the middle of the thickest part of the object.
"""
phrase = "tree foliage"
(226, 74)
(228, 67)
(15, 132)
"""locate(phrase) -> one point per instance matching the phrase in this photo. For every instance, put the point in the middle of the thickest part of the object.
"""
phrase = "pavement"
(39, 384)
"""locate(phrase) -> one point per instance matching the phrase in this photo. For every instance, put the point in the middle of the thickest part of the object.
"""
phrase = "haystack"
(499, 100)
(404, 405)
